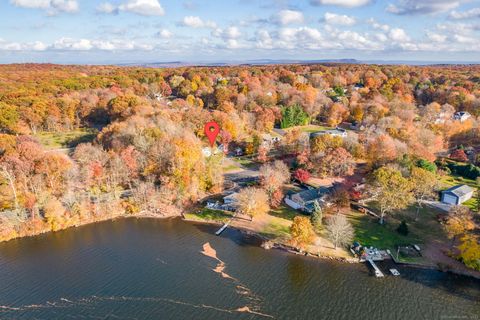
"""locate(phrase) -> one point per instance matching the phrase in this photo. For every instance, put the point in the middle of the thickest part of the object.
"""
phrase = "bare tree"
(10, 177)
(340, 231)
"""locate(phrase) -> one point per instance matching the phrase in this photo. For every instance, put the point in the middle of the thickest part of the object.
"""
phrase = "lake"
(155, 269)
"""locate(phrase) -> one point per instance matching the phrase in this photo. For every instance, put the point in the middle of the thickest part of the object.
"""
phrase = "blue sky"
(122, 31)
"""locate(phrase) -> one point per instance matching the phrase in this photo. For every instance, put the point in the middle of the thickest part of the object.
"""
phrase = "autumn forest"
(139, 148)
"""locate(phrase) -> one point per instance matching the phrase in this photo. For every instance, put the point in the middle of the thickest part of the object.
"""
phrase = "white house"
(457, 195)
(461, 116)
(304, 200)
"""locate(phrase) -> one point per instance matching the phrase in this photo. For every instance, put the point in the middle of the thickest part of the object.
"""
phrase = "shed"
(457, 195)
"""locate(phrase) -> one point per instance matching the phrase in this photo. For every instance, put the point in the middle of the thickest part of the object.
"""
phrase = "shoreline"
(266, 243)
(296, 251)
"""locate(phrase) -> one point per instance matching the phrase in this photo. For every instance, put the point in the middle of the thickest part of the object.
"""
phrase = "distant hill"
(256, 62)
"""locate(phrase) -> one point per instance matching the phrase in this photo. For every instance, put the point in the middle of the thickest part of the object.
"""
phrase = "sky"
(142, 31)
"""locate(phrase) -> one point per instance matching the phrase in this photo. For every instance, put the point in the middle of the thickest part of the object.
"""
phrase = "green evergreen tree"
(293, 116)
(317, 215)
(403, 228)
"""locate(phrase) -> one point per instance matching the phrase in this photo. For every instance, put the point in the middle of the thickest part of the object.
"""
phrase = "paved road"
(439, 205)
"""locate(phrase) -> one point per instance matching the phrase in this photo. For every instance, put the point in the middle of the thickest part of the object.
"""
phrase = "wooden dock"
(219, 231)
(378, 273)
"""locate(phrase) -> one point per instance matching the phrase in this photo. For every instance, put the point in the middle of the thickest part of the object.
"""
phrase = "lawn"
(310, 128)
(369, 232)
(284, 211)
(246, 161)
(230, 167)
(423, 228)
(276, 228)
(69, 139)
(206, 214)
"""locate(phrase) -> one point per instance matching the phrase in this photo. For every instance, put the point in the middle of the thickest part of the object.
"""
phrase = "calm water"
(154, 269)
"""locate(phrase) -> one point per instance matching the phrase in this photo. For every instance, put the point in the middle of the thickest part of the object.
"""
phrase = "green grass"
(369, 232)
(69, 139)
(309, 128)
(452, 180)
(206, 214)
(276, 230)
(231, 167)
(246, 162)
(423, 227)
(284, 212)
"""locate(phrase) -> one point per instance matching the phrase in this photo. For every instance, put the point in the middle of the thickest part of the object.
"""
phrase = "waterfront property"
(457, 195)
(304, 200)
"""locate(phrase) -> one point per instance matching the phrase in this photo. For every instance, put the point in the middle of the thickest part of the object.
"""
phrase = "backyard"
(423, 229)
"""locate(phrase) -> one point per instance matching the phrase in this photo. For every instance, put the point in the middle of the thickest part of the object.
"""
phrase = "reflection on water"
(155, 269)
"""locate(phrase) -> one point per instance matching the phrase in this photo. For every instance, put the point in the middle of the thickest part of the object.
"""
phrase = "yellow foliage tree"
(54, 213)
(301, 231)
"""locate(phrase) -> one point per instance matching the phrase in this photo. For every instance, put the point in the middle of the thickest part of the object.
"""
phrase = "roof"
(310, 195)
(459, 190)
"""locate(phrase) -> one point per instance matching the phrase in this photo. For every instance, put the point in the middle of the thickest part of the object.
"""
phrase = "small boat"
(394, 272)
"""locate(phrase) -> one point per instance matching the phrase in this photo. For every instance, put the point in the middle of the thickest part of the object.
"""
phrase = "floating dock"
(378, 273)
(219, 231)
(394, 272)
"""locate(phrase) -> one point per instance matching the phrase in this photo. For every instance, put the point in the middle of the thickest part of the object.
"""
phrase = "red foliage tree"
(459, 155)
(301, 175)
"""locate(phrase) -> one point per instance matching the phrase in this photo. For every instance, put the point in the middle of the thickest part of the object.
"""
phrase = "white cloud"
(64, 5)
(285, 17)
(231, 33)
(469, 14)
(398, 34)
(464, 39)
(15, 46)
(411, 7)
(107, 8)
(165, 34)
(354, 40)
(303, 37)
(376, 25)
(341, 3)
(69, 44)
(233, 44)
(337, 19)
(263, 39)
(143, 7)
(72, 44)
(32, 4)
(51, 6)
(140, 7)
(197, 22)
(436, 37)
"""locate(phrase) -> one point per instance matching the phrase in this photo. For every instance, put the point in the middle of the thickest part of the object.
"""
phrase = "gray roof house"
(457, 195)
(304, 200)
(461, 116)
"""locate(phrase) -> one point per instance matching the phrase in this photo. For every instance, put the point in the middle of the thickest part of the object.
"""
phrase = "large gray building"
(457, 194)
